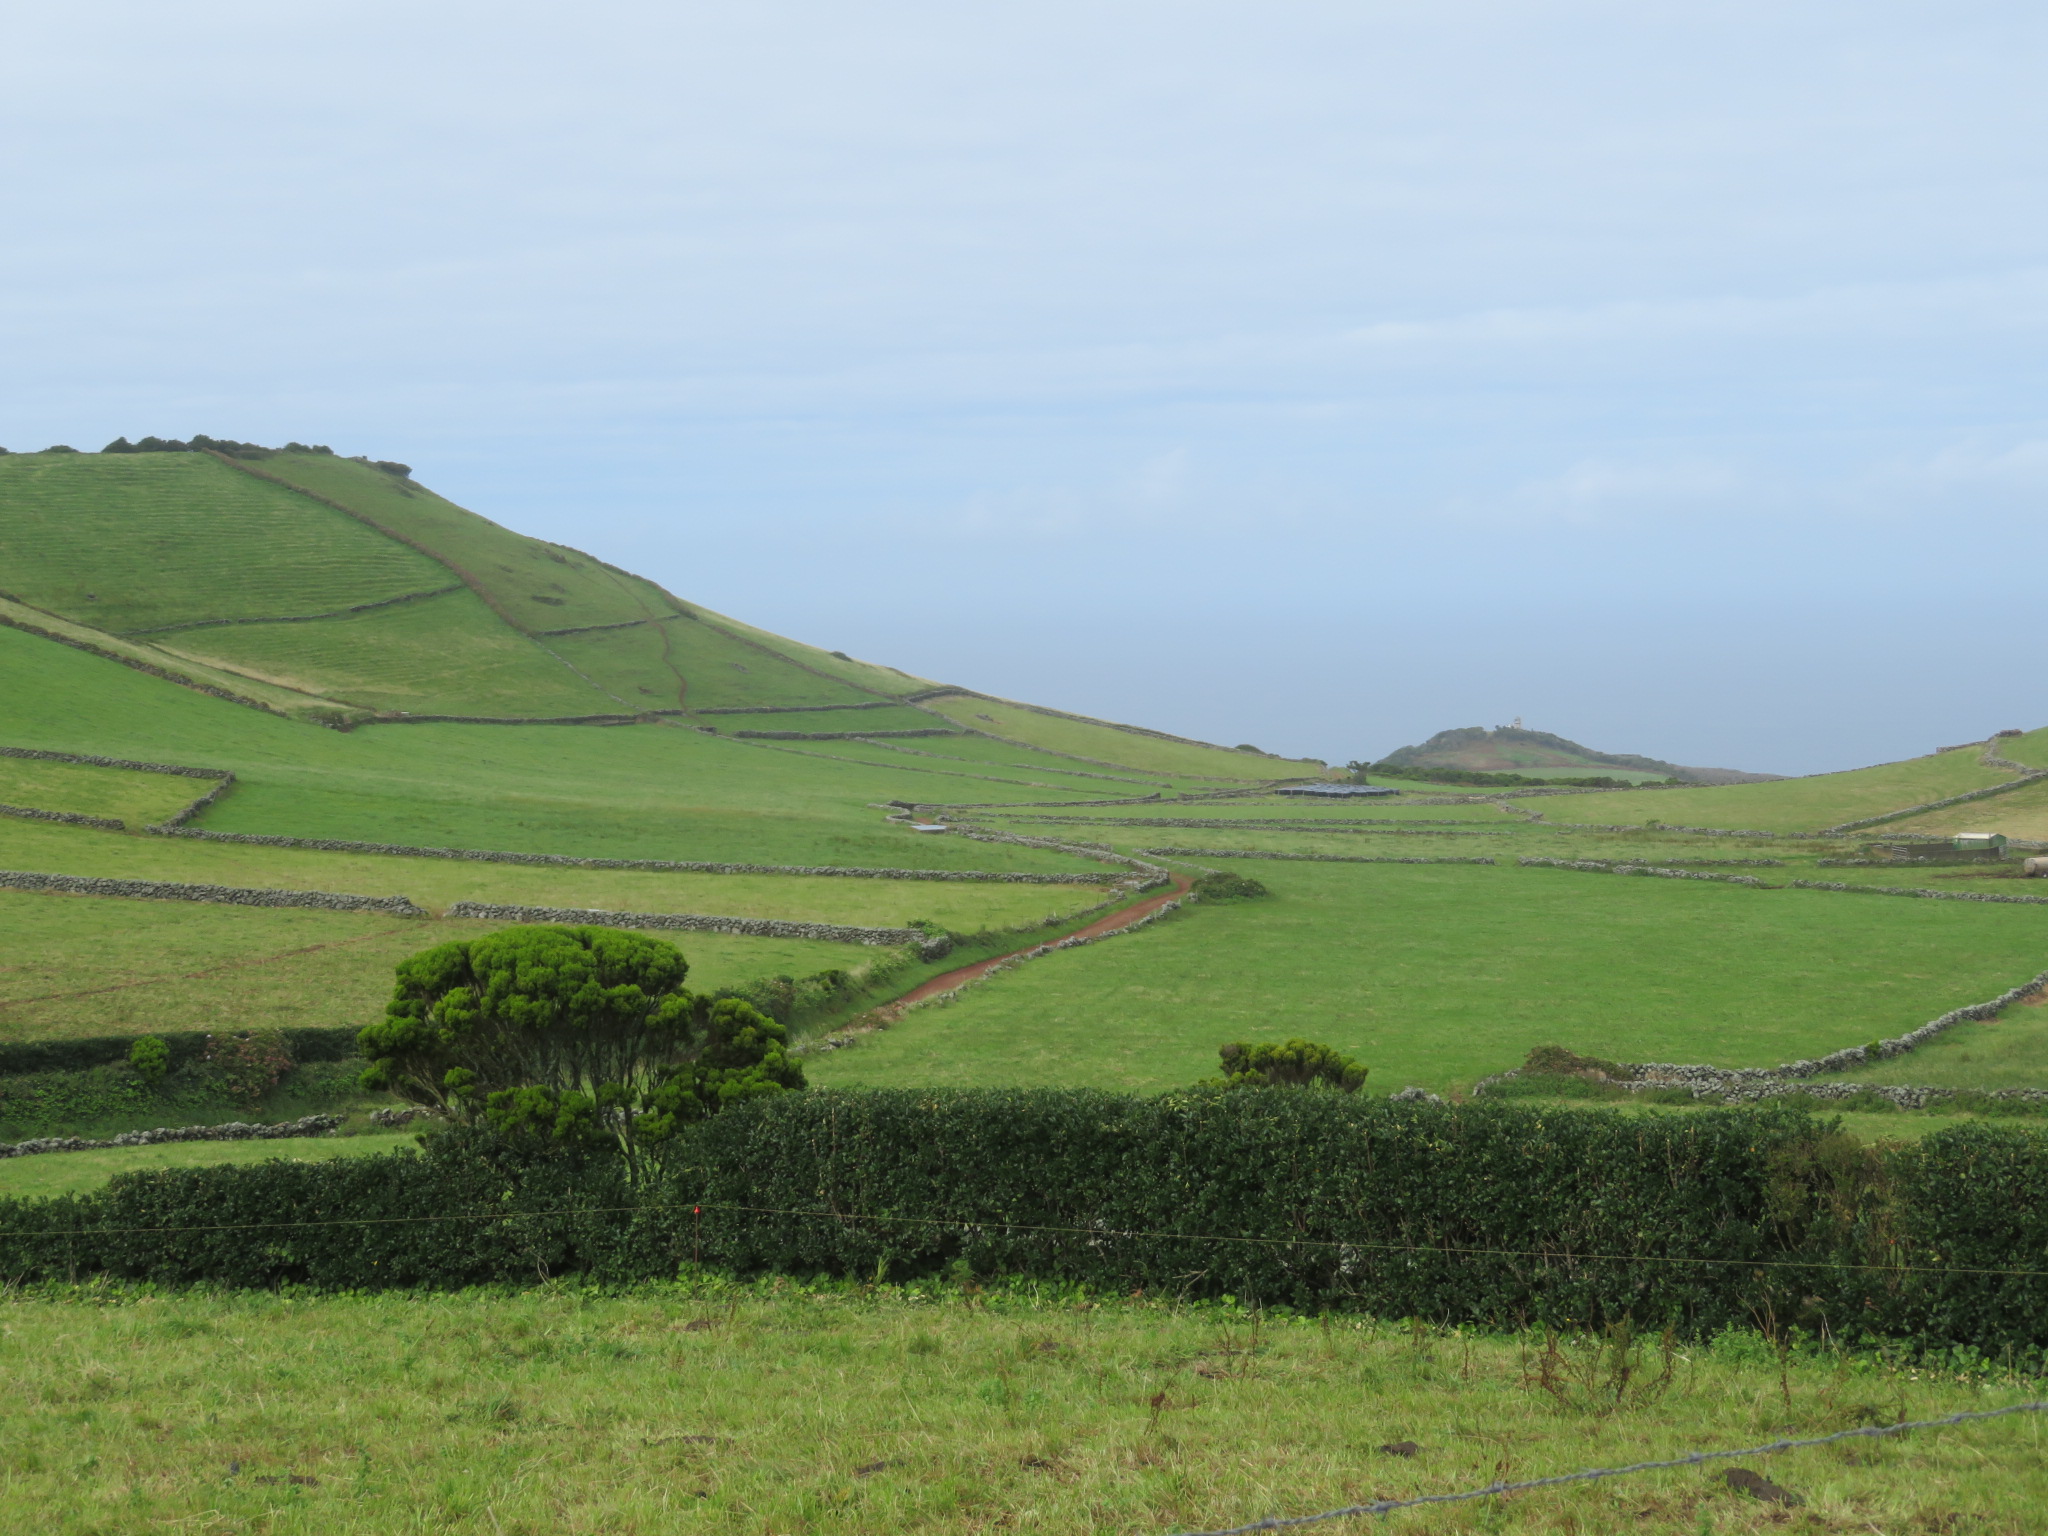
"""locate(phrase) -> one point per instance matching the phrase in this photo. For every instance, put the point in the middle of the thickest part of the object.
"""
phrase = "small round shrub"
(151, 1059)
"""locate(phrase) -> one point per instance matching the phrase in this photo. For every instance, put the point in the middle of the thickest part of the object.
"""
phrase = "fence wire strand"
(1594, 1474)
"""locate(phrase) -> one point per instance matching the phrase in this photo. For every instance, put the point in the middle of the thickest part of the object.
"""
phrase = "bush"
(1224, 886)
(248, 1066)
(1296, 1064)
(150, 1058)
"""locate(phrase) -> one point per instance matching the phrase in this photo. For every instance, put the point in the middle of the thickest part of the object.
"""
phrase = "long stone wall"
(798, 709)
(696, 922)
(1744, 1084)
(841, 735)
(234, 1130)
(227, 895)
(70, 818)
(1602, 867)
(115, 762)
(1316, 858)
(1925, 895)
(673, 866)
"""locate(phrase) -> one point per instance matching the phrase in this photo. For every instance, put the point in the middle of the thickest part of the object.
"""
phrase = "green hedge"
(1491, 1213)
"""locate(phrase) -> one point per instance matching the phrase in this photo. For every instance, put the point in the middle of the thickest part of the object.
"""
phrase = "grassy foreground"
(782, 1408)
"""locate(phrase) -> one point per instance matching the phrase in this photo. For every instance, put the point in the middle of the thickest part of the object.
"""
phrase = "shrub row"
(333, 1043)
(1497, 1214)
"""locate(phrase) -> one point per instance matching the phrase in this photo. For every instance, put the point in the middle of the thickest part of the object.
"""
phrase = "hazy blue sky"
(1311, 374)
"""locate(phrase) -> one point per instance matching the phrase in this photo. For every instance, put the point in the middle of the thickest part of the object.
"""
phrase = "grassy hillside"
(1105, 743)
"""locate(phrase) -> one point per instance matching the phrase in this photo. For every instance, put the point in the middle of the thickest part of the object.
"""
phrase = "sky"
(1313, 375)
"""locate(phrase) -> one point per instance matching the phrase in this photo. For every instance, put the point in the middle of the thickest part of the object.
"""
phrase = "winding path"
(1109, 923)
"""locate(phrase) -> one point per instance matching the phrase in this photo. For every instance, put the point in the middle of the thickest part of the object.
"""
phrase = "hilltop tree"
(573, 1035)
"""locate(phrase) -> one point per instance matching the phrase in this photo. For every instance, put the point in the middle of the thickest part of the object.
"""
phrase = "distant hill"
(1538, 754)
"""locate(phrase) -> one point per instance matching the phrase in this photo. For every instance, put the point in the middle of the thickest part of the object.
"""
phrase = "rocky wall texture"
(1601, 867)
(1314, 858)
(697, 922)
(842, 735)
(674, 866)
(226, 783)
(796, 709)
(69, 818)
(115, 762)
(234, 1130)
(227, 895)
(1745, 1084)
(1902, 890)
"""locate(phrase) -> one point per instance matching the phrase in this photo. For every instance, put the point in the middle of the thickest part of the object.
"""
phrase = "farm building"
(1963, 848)
(1336, 791)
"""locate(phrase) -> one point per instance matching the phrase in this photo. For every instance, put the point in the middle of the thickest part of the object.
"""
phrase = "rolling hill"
(1538, 754)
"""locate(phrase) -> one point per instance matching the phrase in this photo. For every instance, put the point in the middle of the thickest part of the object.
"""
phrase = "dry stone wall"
(1602, 867)
(696, 922)
(234, 1130)
(842, 735)
(1316, 858)
(678, 866)
(70, 818)
(227, 895)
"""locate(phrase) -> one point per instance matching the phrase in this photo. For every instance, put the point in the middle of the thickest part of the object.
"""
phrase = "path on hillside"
(1111, 923)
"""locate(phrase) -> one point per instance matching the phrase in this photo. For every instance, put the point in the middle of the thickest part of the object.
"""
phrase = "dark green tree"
(573, 1035)
(1292, 1064)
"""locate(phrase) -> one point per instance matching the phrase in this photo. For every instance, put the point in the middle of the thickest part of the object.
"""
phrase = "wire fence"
(1594, 1474)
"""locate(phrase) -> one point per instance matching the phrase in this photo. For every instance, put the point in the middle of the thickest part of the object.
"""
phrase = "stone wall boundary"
(136, 663)
(2029, 776)
(795, 709)
(1925, 895)
(227, 783)
(698, 922)
(843, 735)
(1604, 867)
(226, 895)
(70, 818)
(115, 762)
(1316, 858)
(659, 866)
(1746, 1084)
(233, 1130)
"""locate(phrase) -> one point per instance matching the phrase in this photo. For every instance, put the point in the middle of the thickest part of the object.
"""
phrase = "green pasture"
(714, 1407)
(1789, 805)
(648, 791)
(129, 542)
(2021, 814)
(442, 655)
(1439, 975)
(436, 884)
(136, 798)
(73, 1173)
(78, 966)
(2010, 1051)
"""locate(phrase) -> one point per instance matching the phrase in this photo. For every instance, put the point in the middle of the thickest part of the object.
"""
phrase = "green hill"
(1538, 754)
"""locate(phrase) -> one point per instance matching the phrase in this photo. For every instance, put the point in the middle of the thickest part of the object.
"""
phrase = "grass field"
(2021, 814)
(1438, 975)
(80, 965)
(136, 798)
(1791, 805)
(73, 1173)
(834, 1410)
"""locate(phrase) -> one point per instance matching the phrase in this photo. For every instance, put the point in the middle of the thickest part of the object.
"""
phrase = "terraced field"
(136, 798)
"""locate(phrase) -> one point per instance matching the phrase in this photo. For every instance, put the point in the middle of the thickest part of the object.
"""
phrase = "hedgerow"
(1492, 1213)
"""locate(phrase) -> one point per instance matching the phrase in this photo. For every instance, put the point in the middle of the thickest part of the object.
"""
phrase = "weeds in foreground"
(715, 1406)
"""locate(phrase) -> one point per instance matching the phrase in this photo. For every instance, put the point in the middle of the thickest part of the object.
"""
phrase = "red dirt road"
(1109, 923)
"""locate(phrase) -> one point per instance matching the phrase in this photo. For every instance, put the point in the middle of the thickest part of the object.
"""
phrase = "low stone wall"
(227, 895)
(2028, 776)
(697, 922)
(800, 709)
(1601, 867)
(1246, 824)
(1000, 806)
(227, 783)
(674, 866)
(1314, 858)
(115, 762)
(1902, 890)
(69, 818)
(234, 1130)
(1743, 1084)
(841, 735)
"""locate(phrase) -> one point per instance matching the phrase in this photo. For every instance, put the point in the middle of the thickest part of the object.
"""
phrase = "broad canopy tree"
(572, 1034)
